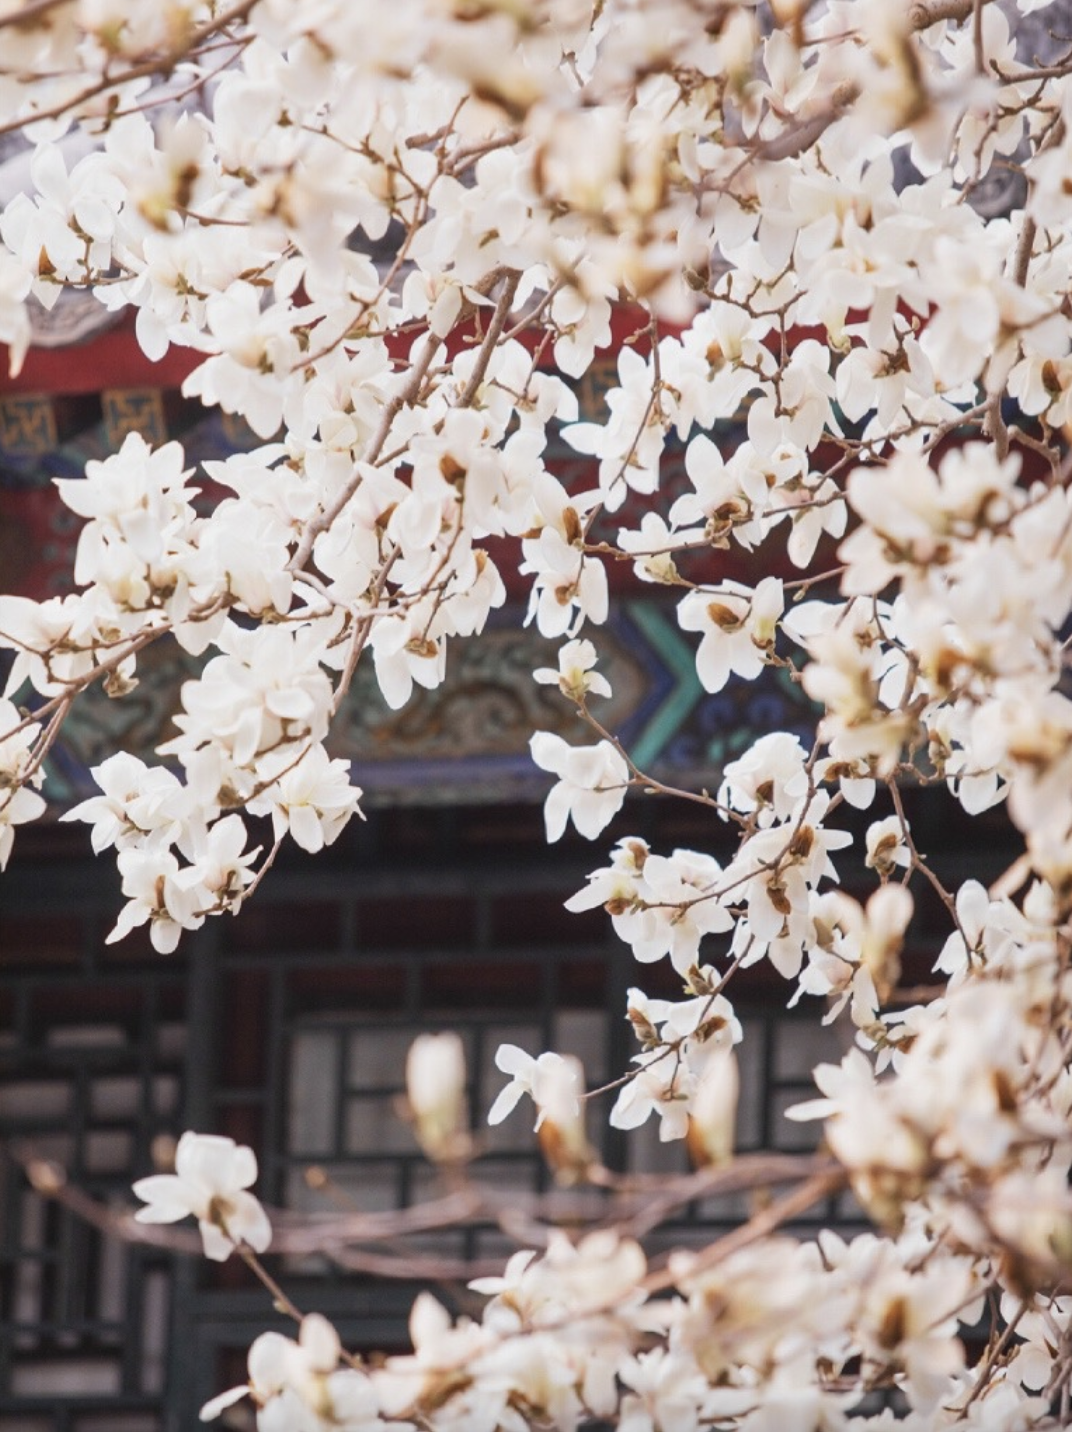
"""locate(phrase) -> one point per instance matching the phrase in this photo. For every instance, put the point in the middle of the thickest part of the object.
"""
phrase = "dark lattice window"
(288, 1029)
(92, 1062)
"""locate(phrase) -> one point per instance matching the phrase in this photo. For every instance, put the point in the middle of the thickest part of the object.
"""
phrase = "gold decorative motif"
(133, 410)
(27, 425)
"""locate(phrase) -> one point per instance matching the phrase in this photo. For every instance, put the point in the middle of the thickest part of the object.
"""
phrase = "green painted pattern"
(680, 658)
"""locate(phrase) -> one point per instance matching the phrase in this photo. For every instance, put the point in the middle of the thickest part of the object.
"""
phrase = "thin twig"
(151, 68)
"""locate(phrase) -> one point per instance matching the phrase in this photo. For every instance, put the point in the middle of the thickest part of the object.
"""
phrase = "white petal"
(212, 1410)
(505, 1103)
(320, 1341)
(556, 811)
(168, 1196)
(250, 1222)
(216, 1244)
(513, 1060)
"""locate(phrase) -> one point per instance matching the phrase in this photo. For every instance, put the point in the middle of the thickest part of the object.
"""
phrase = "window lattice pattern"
(288, 1030)
(344, 1114)
(344, 1107)
(91, 1064)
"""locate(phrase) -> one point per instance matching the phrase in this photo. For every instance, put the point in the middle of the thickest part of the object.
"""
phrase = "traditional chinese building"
(287, 1027)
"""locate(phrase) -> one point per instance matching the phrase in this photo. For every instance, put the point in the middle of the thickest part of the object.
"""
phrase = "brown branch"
(925, 13)
(25, 14)
(491, 338)
(990, 1362)
(824, 1182)
(919, 862)
(283, 1304)
(361, 631)
(405, 394)
(743, 1175)
(156, 66)
(408, 393)
(804, 135)
(408, 1266)
(977, 37)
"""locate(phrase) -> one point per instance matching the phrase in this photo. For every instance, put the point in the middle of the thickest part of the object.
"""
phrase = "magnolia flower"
(137, 492)
(255, 346)
(659, 1085)
(138, 803)
(677, 907)
(540, 1078)
(404, 653)
(718, 501)
(18, 803)
(886, 848)
(220, 857)
(569, 587)
(52, 641)
(428, 1375)
(654, 545)
(592, 785)
(1032, 1212)
(984, 927)
(628, 459)
(16, 808)
(667, 1393)
(171, 899)
(911, 1319)
(66, 231)
(886, 919)
(714, 1109)
(435, 1089)
(563, 1140)
(299, 1386)
(210, 1181)
(15, 280)
(738, 627)
(575, 677)
(265, 689)
(769, 780)
(311, 798)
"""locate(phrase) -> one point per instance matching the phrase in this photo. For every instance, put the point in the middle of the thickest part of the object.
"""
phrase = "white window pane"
(314, 1093)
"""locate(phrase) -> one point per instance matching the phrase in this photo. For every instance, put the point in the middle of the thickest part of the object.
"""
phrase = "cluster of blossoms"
(19, 774)
(587, 1330)
(790, 202)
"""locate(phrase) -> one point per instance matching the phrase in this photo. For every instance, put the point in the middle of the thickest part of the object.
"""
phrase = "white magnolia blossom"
(310, 798)
(435, 1090)
(18, 802)
(541, 1078)
(299, 1385)
(211, 1181)
(886, 847)
(575, 677)
(737, 626)
(591, 787)
(661, 905)
(745, 263)
(769, 780)
(137, 802)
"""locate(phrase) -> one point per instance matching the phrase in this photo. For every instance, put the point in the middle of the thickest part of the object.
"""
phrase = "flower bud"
(563, 1141)
(713, 1114)
(435, 1086)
